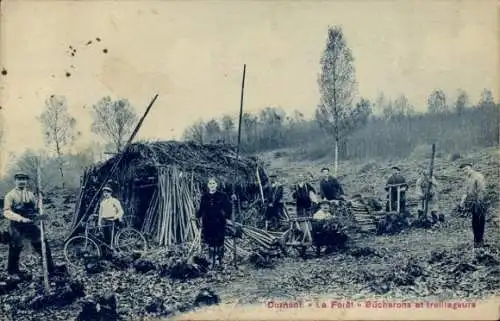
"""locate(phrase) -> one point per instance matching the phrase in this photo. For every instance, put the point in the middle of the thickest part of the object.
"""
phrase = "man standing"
(329, 187)
(421, 191)
(20, 204)
(473, 201)
(110, 213)
(274, 195)
(304, 195)
(394, 183)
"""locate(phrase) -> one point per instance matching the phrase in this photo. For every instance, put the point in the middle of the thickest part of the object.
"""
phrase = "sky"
(192, 53)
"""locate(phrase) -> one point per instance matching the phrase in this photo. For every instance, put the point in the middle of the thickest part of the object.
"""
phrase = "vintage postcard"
(249, 160)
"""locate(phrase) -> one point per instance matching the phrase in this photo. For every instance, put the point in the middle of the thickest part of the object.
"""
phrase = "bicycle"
(82, 247)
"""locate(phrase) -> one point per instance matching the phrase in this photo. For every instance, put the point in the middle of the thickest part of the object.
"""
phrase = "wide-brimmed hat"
(325, 169)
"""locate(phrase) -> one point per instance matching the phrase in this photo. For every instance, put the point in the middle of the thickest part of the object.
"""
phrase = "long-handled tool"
(42, 232)
(238, 156)
(429, 185)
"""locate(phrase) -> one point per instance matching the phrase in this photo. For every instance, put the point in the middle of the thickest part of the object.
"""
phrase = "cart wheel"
(130, 240)
(80, 248)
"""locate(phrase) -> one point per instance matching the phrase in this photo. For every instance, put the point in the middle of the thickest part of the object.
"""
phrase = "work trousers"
(478, 210)
(108, 229)
(19, 232)
(273, 215)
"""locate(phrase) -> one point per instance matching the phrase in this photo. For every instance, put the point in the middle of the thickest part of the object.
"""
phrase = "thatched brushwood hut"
(160, 184)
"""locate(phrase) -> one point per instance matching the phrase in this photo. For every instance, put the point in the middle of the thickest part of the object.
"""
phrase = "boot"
(50, 263)
(13, 260)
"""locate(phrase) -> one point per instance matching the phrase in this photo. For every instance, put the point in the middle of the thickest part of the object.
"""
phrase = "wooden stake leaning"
(42, 232)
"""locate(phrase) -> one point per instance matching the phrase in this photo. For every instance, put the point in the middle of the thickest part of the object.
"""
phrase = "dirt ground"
(432, 264)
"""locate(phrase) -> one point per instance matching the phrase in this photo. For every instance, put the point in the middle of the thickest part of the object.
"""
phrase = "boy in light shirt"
(110, 212)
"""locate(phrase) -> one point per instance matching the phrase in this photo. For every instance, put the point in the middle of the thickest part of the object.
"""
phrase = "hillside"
(424, 264)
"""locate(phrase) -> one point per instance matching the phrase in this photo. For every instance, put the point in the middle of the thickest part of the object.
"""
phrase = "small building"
(160, 183)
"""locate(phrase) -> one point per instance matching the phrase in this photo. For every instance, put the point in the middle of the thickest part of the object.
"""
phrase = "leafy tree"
(337, 86)
(59, 127)
(436, 103)
(114, 121)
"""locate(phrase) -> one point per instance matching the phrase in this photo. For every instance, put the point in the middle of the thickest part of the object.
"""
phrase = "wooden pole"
(115, 165)
(429, 184)
(238, 158)
(46, 284)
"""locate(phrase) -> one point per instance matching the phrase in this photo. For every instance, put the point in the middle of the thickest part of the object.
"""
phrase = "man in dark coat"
(273, 194)
(20, 207)
(396, 180)
(330, 187)
(215, 209)
(474, 202)
(302, 193)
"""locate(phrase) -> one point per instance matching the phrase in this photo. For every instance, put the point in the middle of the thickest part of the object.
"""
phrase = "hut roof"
(204, 160)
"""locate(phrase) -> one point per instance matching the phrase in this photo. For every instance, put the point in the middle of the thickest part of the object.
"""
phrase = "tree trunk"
(336, 164)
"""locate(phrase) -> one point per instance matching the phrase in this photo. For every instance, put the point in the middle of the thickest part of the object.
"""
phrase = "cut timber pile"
(168, 219)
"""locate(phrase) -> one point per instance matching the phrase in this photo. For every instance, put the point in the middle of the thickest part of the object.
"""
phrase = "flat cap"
(324, 202)
(21, 175)
(107, 188)
(396, 167)
(465, 164)
(325, 169)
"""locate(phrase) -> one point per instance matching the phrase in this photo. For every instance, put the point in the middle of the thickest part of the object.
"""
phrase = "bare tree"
(436, 103)
(462, 101)
(212, 128)
(114, 121)
(58, 127)
(2, 133)
(227, 127)
(195, 132)
(402, 106)
(337, 85)
(486, 99)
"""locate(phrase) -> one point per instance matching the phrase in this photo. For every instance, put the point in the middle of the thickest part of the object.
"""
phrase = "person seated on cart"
(304, 195)
(110, 216)
(273, 194)
(326, 229)
(395, 182)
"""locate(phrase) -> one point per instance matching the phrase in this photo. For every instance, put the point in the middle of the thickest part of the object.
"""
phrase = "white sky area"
(192, 53)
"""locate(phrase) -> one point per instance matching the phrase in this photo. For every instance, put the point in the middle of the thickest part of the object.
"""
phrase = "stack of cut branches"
(168, 219)
(264, 240)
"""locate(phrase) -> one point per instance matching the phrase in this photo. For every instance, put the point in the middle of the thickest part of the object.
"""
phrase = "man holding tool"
(21, 208)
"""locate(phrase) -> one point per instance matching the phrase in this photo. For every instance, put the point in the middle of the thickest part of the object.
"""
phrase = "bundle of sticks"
(267, 241)
(168, 219)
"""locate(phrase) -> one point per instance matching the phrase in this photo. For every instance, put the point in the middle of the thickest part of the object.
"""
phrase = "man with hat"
(474, 201)
(273, 193)
(394, 184)
(19, 205)
(110, 213)
(329, 186)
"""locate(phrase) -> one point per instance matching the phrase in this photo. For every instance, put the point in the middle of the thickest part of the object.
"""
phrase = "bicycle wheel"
(130, 240)
(80, 248)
